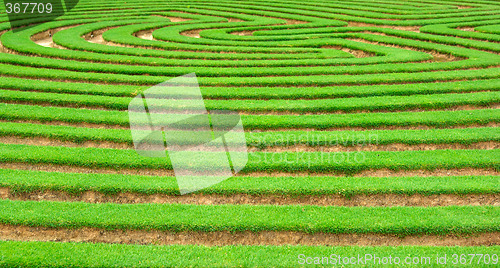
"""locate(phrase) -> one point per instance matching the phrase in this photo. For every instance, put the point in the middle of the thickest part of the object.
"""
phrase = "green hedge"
(29, 181)
(53, 254)
(311, 219)
(391, 103)
(347, 162)
(272, 138)
(321, 121)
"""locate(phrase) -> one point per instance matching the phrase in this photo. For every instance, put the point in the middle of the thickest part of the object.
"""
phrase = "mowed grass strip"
(322, 121)
(316, 80)
(30, 181)
(45, 254)
(271, 138)
(431, 101)
(343, 162)
(310, 219)
(260, 92)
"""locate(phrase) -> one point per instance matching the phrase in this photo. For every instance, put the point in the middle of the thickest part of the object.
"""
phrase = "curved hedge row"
(300, 70)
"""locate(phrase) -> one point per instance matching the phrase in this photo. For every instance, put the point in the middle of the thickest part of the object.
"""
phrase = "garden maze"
(368, 123)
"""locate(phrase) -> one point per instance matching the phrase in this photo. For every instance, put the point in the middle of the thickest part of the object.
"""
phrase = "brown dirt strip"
(419, 127)
(355, 52)
(451, 108)
(288, 22)
(47, 42)
(75, 169)
(377, 147)
(229, 19)
(48, 104)
(165, 172)
(45, 38)
(366, 147)
(381, 173)
(466, 28)
(31, 79)
(95, 235)
(329, 85)
(145, 34)
(310, 97)
(490, 124)
(234, 20)
(96, 37)
(404, 28)
(291, 21)
(383, 73)
(60, 123)
(433, 42)
(428, 173)
(192, 33)
(43, 141)
(243, 33)
(438, 56)
(173, 19)
(371, 200)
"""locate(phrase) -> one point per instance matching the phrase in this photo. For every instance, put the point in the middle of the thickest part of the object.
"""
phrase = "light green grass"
(391, 103)
(28, 181)
(53, 254)
(208, 218)
(321, 121)
(271, 138)
(346, 162)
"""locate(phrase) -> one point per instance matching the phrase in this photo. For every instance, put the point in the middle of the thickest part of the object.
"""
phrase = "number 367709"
(28, 8)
